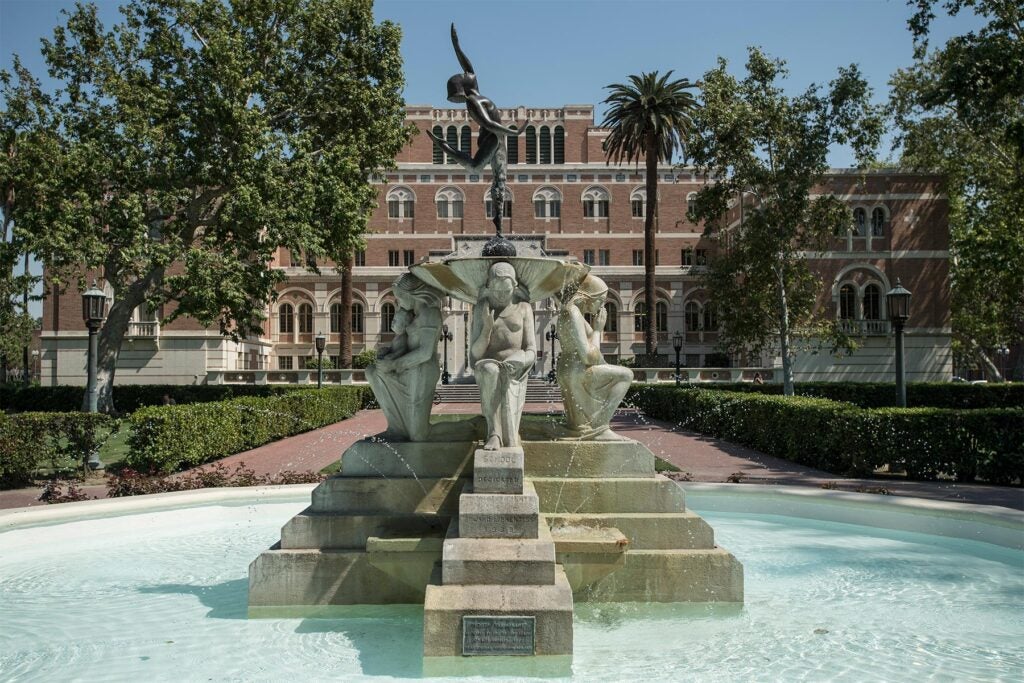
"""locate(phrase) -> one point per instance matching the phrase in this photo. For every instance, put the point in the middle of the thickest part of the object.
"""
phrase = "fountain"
(495, 523)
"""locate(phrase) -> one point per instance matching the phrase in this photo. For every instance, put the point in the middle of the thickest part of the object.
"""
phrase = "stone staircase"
(537, 391)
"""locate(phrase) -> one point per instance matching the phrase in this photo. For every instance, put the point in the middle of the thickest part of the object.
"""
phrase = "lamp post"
(321, 342)
(677, 344)
(94, 310)
(447, 336)
(551, 336)
(897, 300)
(1004, 353)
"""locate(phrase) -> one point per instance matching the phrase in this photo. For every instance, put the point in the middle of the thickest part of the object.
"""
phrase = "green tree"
(768, 151)
(649, 117)
(197, 137)
(960, 109)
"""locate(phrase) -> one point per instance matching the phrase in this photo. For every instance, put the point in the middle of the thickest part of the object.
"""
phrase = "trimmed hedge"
(883, 394)
(844, 439)
(30, 440)
(170, 438)
(130, 397)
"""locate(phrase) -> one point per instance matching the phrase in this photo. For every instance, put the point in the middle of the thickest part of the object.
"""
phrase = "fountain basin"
(155, 588)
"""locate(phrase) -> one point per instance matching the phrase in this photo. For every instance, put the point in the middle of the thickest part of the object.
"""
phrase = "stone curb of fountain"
(982, 523)
(986, 523)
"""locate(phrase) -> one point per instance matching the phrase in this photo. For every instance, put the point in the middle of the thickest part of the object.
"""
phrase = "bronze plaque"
(492, 635)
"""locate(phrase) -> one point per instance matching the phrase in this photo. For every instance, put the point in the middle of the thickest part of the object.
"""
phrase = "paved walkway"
(699, 457)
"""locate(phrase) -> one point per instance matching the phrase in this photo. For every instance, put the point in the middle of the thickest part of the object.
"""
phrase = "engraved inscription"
(493, 635)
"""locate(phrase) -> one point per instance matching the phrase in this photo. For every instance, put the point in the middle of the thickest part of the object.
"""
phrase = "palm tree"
(649, 118)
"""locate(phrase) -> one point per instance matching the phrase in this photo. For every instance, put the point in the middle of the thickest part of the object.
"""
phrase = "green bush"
(130, 397)
(170, 438)
(29, 441)
(364, 359)
(845, 439)
(883, 394)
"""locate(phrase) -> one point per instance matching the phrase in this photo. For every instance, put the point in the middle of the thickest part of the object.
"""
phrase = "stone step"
(499, 515)
(688, 575)
(627, 494)
(645, 530)
(384, 495)
(445, 606)
(519, 561)
(584, 459)
(378, 458)
(498, 471)
(311, 529)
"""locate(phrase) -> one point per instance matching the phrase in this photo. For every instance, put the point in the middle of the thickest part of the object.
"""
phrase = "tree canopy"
(189, 142)
(763, 152)
(959, 109)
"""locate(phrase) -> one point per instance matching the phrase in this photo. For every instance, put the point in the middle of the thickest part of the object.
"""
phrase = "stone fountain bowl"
(539, 277)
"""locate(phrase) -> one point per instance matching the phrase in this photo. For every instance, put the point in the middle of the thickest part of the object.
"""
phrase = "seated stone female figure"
(591, 388)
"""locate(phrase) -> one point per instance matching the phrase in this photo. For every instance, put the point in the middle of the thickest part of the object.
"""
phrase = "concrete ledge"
(627, 494)
(645, 530)
(985, 523)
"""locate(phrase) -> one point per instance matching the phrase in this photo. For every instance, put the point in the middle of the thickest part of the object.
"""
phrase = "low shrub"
(29, 441)
(845, 439)
(166, 439)
(129, 482)
(364, 359)
(55, 492)
(883, 394)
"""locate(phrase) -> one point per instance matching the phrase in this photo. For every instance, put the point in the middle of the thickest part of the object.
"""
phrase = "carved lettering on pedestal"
(494, 635)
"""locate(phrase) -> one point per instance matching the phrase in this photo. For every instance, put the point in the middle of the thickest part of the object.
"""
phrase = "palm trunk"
(650, 291)
(345, 333)
(787, 362)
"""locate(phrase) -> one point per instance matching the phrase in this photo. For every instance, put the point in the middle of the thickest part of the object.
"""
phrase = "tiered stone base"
(374, 533)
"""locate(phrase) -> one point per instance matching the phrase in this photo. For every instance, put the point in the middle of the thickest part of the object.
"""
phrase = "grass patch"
(333, 468)
(661, 465)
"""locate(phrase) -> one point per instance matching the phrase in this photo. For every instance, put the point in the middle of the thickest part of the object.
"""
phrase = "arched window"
(612, 317)
(547, 203)
(336, 318)
(860, 218)
(401, 203)
(489, 205)
(847, 302)
(512, 145)
(466, 143)
(305, 319)
(638, 202)
(452, 138)
(872, 303)
(286, 319)
(691, 203)
(661, 316)
(877, 222)
(531, 145)
(545, 145)
(559, 145)
(438, 152)
(710, 318)
(357, 317)
(595, 203)
(640, 317)
(387, 316)
(691, 315)
(449, 202)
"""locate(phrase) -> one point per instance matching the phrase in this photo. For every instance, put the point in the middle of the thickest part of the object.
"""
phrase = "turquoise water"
(162, 596)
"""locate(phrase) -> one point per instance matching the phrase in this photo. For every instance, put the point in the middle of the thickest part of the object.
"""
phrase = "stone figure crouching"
(591, 388)
(405, 375)
(503, 351)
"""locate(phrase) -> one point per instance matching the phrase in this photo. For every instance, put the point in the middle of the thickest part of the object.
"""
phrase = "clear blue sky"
(554, 52)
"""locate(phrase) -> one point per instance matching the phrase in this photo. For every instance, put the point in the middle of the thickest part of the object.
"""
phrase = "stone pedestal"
(499, 591)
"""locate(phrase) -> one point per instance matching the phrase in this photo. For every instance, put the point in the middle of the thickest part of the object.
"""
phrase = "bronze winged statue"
(491, 148)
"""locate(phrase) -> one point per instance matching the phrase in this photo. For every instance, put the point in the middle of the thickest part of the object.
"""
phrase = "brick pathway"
(704, 458)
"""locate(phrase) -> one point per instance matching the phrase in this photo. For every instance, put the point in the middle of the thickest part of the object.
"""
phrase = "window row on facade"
(449, 202)
(540, 144)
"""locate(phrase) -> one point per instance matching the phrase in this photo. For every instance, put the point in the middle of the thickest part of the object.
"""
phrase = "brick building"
(565, 200)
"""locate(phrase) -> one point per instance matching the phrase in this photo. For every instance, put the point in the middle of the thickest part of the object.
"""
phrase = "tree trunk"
(650, 288)
(787, 362)
(990, 368)
(26, 370)
(345, 333)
